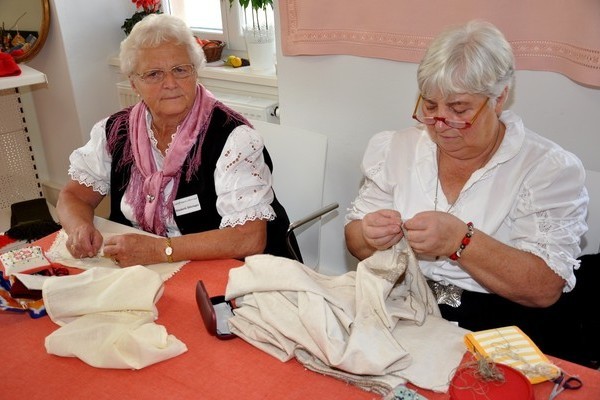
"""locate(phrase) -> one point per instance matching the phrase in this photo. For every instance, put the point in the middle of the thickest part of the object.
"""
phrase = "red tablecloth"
(211, 369)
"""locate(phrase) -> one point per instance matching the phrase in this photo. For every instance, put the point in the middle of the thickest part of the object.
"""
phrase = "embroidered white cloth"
(107, 318)
(58, 251)
(376, 328)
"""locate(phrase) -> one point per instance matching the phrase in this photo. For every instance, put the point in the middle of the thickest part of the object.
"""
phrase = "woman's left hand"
(134, 249)
(434, 233)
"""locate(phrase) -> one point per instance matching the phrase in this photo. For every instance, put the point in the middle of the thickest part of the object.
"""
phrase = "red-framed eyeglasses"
(450, 123)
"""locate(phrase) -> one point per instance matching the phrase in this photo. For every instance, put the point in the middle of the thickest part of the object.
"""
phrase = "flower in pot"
(144, 8)
(259, 33)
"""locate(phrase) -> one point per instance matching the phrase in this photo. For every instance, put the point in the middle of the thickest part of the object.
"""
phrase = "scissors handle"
(572, 383)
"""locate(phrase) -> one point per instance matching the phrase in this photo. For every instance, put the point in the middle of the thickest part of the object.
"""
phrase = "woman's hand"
(84, 241)
(434, 233)
(135, 249)
(75, 208)
(382, 229)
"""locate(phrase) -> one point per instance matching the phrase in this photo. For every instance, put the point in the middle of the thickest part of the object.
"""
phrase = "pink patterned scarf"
(145, 192)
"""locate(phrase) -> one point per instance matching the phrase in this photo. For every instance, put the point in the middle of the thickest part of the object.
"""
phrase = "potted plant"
(259, 33)
(260, 16)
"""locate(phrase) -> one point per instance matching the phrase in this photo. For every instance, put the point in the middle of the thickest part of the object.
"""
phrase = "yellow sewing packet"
(510, 346)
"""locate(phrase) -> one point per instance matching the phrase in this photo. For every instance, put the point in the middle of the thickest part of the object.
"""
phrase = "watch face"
(169, 251)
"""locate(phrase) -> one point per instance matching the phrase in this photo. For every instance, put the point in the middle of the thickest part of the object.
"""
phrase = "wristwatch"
(169, 251)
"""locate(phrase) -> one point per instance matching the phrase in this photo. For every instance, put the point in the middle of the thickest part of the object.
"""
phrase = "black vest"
(201, 184)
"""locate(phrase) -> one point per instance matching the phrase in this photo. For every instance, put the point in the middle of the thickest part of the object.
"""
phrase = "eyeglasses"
(450, 123)
(158, 75)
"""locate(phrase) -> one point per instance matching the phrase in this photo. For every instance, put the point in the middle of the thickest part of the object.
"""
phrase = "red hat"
(8, 66)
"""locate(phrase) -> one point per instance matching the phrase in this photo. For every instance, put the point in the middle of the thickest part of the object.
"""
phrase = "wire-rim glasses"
(153, 76)
(450, 123)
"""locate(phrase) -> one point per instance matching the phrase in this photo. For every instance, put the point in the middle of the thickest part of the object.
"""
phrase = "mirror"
(24, 26)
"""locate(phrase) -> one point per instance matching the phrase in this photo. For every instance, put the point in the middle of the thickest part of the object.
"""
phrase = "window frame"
(232, 21)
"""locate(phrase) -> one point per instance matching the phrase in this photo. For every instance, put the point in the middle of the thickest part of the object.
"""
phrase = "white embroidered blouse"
(530, 195)
(243, 183)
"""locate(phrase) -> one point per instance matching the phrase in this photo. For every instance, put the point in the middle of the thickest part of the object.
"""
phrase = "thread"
(483, 370)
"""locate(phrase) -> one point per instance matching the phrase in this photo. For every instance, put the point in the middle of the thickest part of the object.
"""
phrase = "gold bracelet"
(169, 251)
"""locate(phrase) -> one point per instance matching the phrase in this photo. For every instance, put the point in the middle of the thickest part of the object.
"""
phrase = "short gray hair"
(154, 30)
(474, 58)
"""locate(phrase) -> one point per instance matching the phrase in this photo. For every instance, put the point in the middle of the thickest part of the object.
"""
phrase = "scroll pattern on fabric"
(545, 35)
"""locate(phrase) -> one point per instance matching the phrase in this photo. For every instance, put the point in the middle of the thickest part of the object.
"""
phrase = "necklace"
(485, 161)
(435, 201)
(437, 187)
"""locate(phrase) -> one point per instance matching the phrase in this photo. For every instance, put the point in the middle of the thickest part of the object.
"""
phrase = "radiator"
(250, 107)
(19, 179)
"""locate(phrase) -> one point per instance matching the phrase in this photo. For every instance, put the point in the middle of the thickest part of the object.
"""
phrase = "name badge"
(186, 205)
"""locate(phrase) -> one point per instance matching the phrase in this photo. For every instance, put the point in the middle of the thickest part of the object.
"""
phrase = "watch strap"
(169, 251)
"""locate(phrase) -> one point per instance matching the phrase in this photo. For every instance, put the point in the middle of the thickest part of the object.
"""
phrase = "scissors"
(563, 382)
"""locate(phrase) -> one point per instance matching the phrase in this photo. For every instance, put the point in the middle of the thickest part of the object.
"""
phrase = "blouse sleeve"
(90, 164)
(549, 217)
(243, 179)
(376, 191)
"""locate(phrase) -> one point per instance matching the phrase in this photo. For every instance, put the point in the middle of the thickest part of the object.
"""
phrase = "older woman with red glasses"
(179, 164)
(493, 210)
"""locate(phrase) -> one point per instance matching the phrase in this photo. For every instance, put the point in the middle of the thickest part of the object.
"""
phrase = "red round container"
(466, 385)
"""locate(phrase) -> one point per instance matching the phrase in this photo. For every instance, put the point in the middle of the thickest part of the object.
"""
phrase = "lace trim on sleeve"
(89, 181)
(264, 212)
(90, 164)
(557, 264)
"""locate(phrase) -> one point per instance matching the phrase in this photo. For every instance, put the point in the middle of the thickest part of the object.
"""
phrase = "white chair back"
(299, 158)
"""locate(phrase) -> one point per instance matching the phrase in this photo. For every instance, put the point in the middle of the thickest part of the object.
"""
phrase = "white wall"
(81, 84)
(347, 98)
(350, 99)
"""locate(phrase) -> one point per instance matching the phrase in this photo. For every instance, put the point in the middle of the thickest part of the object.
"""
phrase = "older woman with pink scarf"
(179, 164)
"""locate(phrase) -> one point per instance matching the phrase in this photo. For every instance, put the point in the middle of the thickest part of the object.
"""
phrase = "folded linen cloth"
(59, 253)
(101, 290)
(107, 318)
(376, 328)
(115, 340)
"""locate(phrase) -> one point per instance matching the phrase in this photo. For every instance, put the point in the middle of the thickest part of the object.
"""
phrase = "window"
(214, 19)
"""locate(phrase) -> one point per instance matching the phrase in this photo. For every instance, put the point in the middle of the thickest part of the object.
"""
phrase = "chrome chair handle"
(298, 223)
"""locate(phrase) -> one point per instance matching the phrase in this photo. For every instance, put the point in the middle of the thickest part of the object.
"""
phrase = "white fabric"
(59, 253)
(243, 186)
(376, 327)
(530, 195)
(107, 318)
